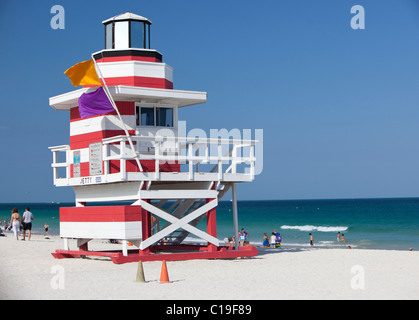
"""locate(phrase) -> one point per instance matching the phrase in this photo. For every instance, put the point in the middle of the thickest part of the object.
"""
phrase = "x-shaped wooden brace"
(178, 223)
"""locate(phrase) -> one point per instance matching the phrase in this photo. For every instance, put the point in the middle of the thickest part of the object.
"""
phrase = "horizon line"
(308, 199)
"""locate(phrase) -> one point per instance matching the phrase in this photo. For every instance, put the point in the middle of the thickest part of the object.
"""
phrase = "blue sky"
(339, 107)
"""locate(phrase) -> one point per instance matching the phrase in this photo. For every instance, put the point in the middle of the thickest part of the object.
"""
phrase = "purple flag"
(94, 103)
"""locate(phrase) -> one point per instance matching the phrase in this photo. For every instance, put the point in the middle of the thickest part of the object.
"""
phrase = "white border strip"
(108, 122)
(101, 230)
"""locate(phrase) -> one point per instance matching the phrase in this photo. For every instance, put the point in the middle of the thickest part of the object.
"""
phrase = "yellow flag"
(83, 73)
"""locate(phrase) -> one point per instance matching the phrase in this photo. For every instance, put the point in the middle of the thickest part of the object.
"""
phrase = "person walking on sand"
(27, 223)
(15, 222)
(311, 240)
(46, 226)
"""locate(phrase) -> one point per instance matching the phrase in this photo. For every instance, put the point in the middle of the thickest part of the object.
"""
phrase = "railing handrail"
(183, 139)
(63, 147)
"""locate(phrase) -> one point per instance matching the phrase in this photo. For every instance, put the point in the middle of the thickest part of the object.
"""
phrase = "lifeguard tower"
(166, 183)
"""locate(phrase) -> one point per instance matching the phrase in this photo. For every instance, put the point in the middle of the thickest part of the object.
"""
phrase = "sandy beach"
(28, 271)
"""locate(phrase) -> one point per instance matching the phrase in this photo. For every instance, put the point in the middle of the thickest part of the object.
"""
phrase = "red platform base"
(199, 252)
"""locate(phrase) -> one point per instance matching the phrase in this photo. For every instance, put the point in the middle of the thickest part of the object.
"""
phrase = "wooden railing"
(202, 159)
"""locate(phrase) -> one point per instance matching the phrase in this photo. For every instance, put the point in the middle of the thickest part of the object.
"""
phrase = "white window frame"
(155, 106)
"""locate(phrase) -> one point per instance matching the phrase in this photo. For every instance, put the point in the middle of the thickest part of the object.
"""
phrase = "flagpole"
(108, 94)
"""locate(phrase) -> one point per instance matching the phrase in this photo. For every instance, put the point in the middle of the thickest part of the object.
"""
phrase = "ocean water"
(365, 223)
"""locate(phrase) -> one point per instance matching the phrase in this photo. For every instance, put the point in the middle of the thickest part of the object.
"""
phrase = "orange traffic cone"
(164, 276)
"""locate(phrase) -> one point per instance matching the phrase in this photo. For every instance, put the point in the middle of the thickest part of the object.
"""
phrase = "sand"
(28, 271)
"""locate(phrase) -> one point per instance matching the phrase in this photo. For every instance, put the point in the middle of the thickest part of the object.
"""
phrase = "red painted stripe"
(148, 166)
(82, 141)
(135, 81)
(129, 58)
(126, 108)
(131, 166)
(147, 82)
(101, 214)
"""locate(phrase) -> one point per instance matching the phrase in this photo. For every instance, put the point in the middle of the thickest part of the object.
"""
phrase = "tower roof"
(127, 16)
(180, 98)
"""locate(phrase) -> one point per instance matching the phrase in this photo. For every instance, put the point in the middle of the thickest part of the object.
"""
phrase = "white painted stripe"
(109, 122)
(136, 69)
(101, 230)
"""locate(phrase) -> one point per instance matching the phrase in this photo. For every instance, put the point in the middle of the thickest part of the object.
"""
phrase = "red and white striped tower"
(179, 180)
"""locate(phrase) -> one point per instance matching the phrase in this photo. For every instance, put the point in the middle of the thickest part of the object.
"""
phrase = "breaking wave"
(309, 228)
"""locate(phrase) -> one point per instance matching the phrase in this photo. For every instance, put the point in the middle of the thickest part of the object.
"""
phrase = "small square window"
(147, 116)
(164, 117)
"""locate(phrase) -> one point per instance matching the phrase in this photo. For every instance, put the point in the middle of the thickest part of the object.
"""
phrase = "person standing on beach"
(273, 240)
(243, 237)
(27, 223)
(46, 226)
(338, 238)
(15, 222)
(343, 238)
(265, 240)
(278, 238)
(311, 240)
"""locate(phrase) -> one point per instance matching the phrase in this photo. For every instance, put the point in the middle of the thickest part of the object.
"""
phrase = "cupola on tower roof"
(126, 31)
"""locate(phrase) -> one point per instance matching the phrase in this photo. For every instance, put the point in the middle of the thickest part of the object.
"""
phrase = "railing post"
(252, 160)
(190, 161)
(220, 161)
(207, 145)
(157, 163)
(67, 159)
(54, 168)
(197, 162)
(233, 159)
(122, 161)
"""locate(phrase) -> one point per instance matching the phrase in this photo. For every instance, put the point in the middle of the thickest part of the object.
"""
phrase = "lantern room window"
(109, 36)
(124, 34)
(121, 35)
